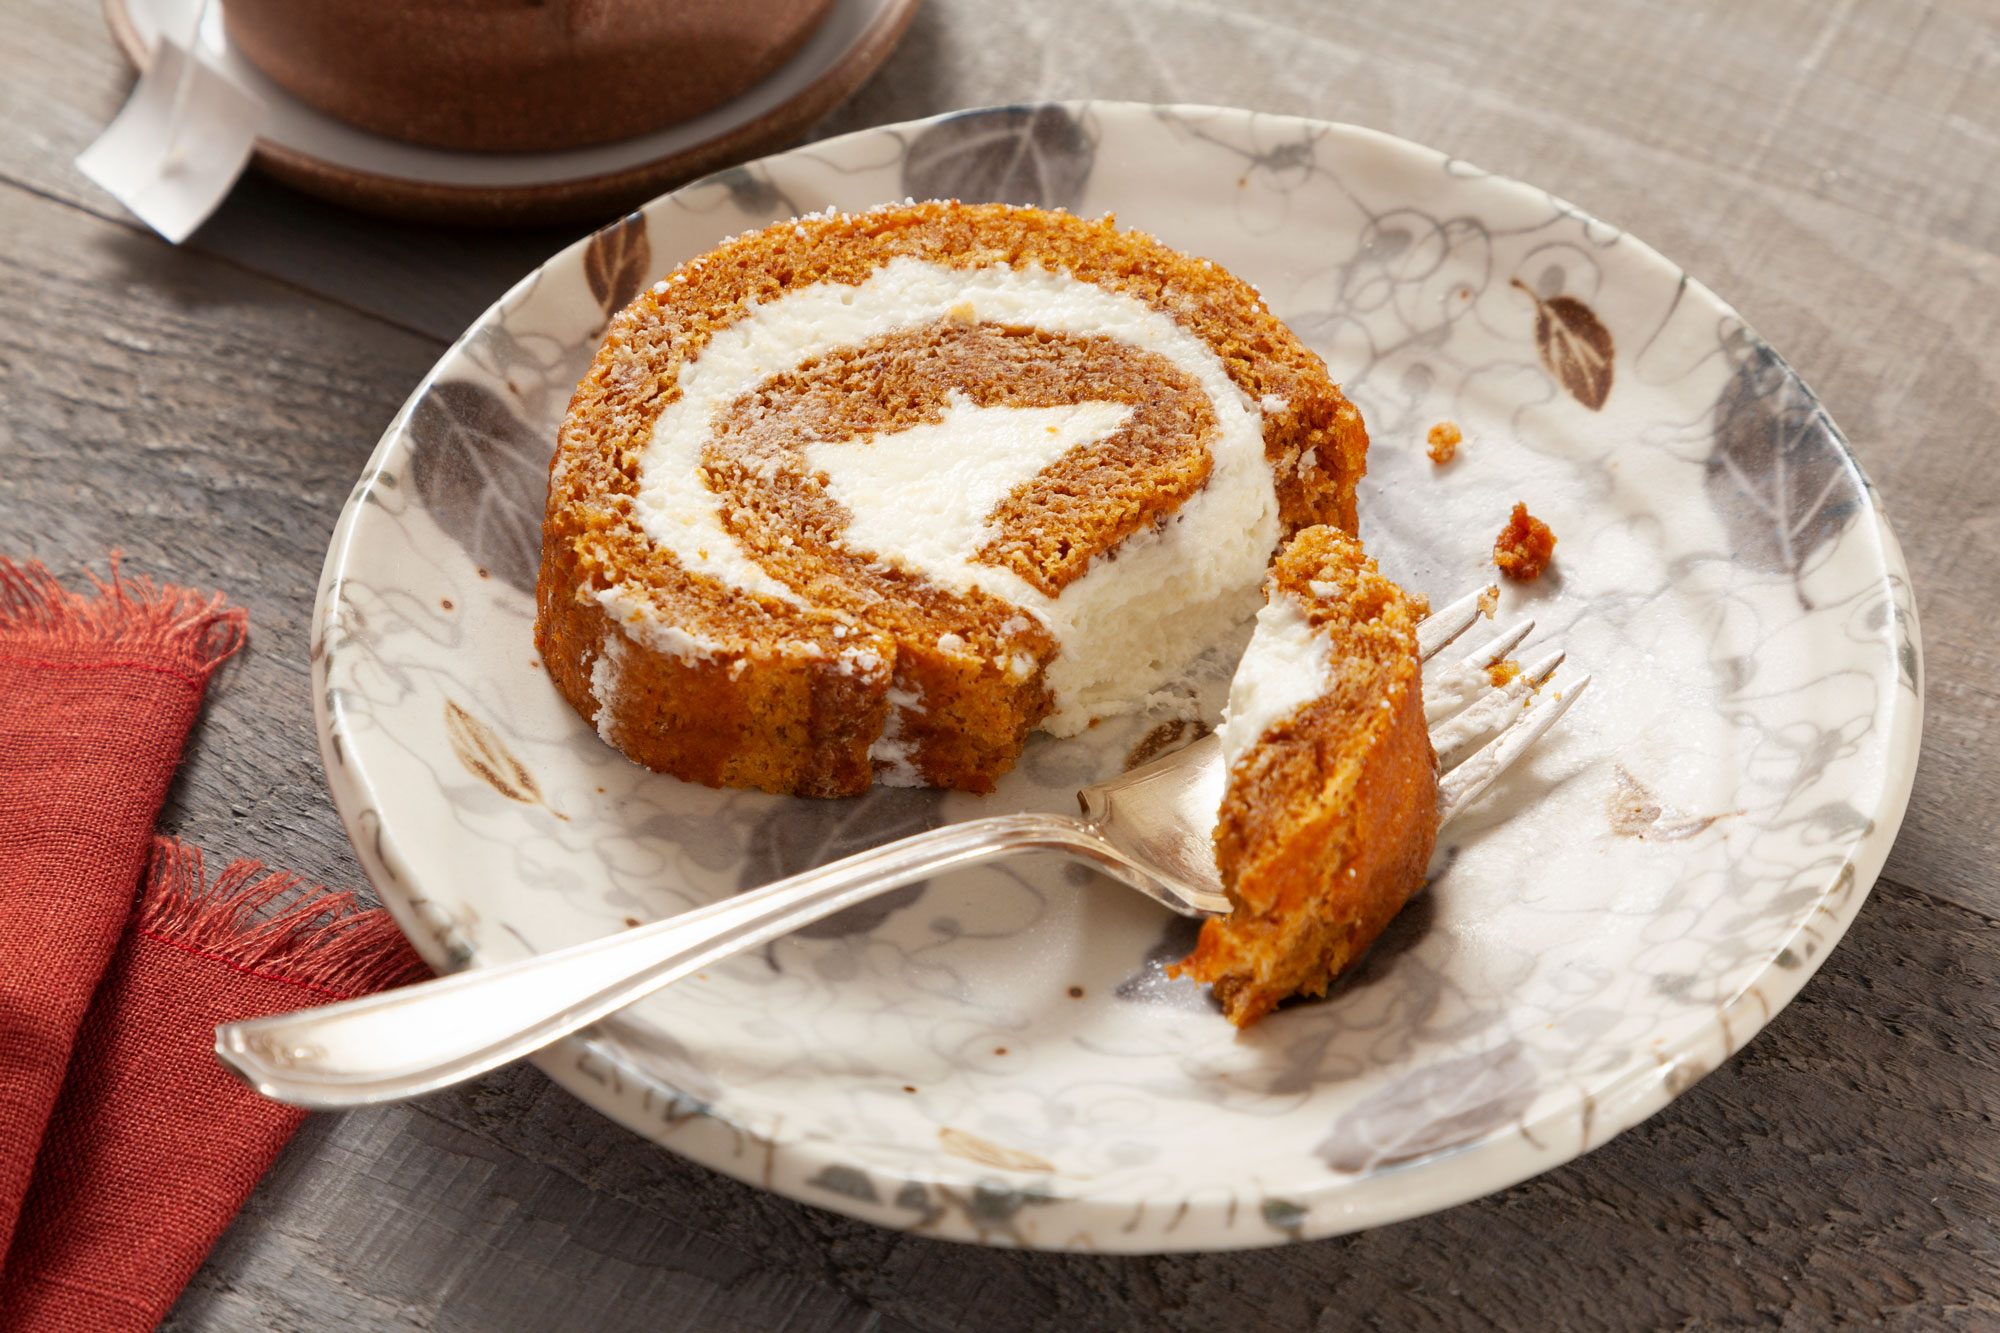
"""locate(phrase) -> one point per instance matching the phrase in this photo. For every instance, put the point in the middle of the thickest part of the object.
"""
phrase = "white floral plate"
(998, 1056)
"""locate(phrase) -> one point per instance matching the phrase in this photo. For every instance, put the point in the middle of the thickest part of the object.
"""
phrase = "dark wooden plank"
(394, 1220)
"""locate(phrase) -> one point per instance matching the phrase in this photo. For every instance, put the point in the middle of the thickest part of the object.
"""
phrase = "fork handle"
(418, 1039)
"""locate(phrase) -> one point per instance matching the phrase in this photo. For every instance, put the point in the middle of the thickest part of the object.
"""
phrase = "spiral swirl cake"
(872, 496)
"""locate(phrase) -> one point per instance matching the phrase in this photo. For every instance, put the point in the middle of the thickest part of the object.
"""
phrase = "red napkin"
(125, 1149)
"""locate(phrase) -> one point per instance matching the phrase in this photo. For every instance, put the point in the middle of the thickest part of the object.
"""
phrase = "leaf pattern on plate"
(487, 757)
(800, 833)
(754, 194)
(1019, 155)
(1684, 1074)
(988, 1153)
(1886, 614)
(916, 1198)
(1432, 1110)
(1574, 345)
(1779, 477)
(992, 1208)
(850, 1181)
(616, 262)
(1283, 1215)
(1149, 981)
(482, 473)
(1170, 735)
(1637, 813)
(664, 1057)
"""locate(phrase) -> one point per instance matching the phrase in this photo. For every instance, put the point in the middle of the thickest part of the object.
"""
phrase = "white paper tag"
(179, 144)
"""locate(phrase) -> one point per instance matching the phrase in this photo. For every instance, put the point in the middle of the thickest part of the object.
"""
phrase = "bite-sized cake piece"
(1442, 442)
(871, 496)
(1524, 547)
(1330, 812)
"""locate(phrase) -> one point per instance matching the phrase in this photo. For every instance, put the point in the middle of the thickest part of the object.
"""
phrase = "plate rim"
(547, 202)
(1474, 1170)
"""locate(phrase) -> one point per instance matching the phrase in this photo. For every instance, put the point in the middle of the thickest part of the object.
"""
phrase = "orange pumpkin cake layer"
(872, 496)
(1330, 812)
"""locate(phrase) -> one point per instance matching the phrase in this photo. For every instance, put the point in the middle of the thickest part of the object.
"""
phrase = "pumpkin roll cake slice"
(870, 497)
(1329, 814)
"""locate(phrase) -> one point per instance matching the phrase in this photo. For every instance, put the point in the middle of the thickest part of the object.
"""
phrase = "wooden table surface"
(1831, 166)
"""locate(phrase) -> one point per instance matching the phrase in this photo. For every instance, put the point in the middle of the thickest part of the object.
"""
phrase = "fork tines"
(1481, 721)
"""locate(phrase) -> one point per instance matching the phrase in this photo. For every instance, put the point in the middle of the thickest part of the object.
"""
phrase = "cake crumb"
(1502, 673)
(1489, 600)
(1524, 547)
(1444, 440)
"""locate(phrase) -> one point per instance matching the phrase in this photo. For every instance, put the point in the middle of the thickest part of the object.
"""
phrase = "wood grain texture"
(1831, 169)
(209, 424)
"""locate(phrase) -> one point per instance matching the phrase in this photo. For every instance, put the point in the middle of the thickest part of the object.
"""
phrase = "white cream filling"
(892, 749)
(1134, 618)
(1287, 665)
(606, 673)
(960, 468)
(636, 616)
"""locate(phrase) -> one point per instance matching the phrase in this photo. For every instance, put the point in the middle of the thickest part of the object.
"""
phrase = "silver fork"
(1149, 828)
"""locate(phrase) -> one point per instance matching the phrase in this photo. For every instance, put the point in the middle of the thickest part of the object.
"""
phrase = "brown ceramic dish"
(304, 148)
(507, 77)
